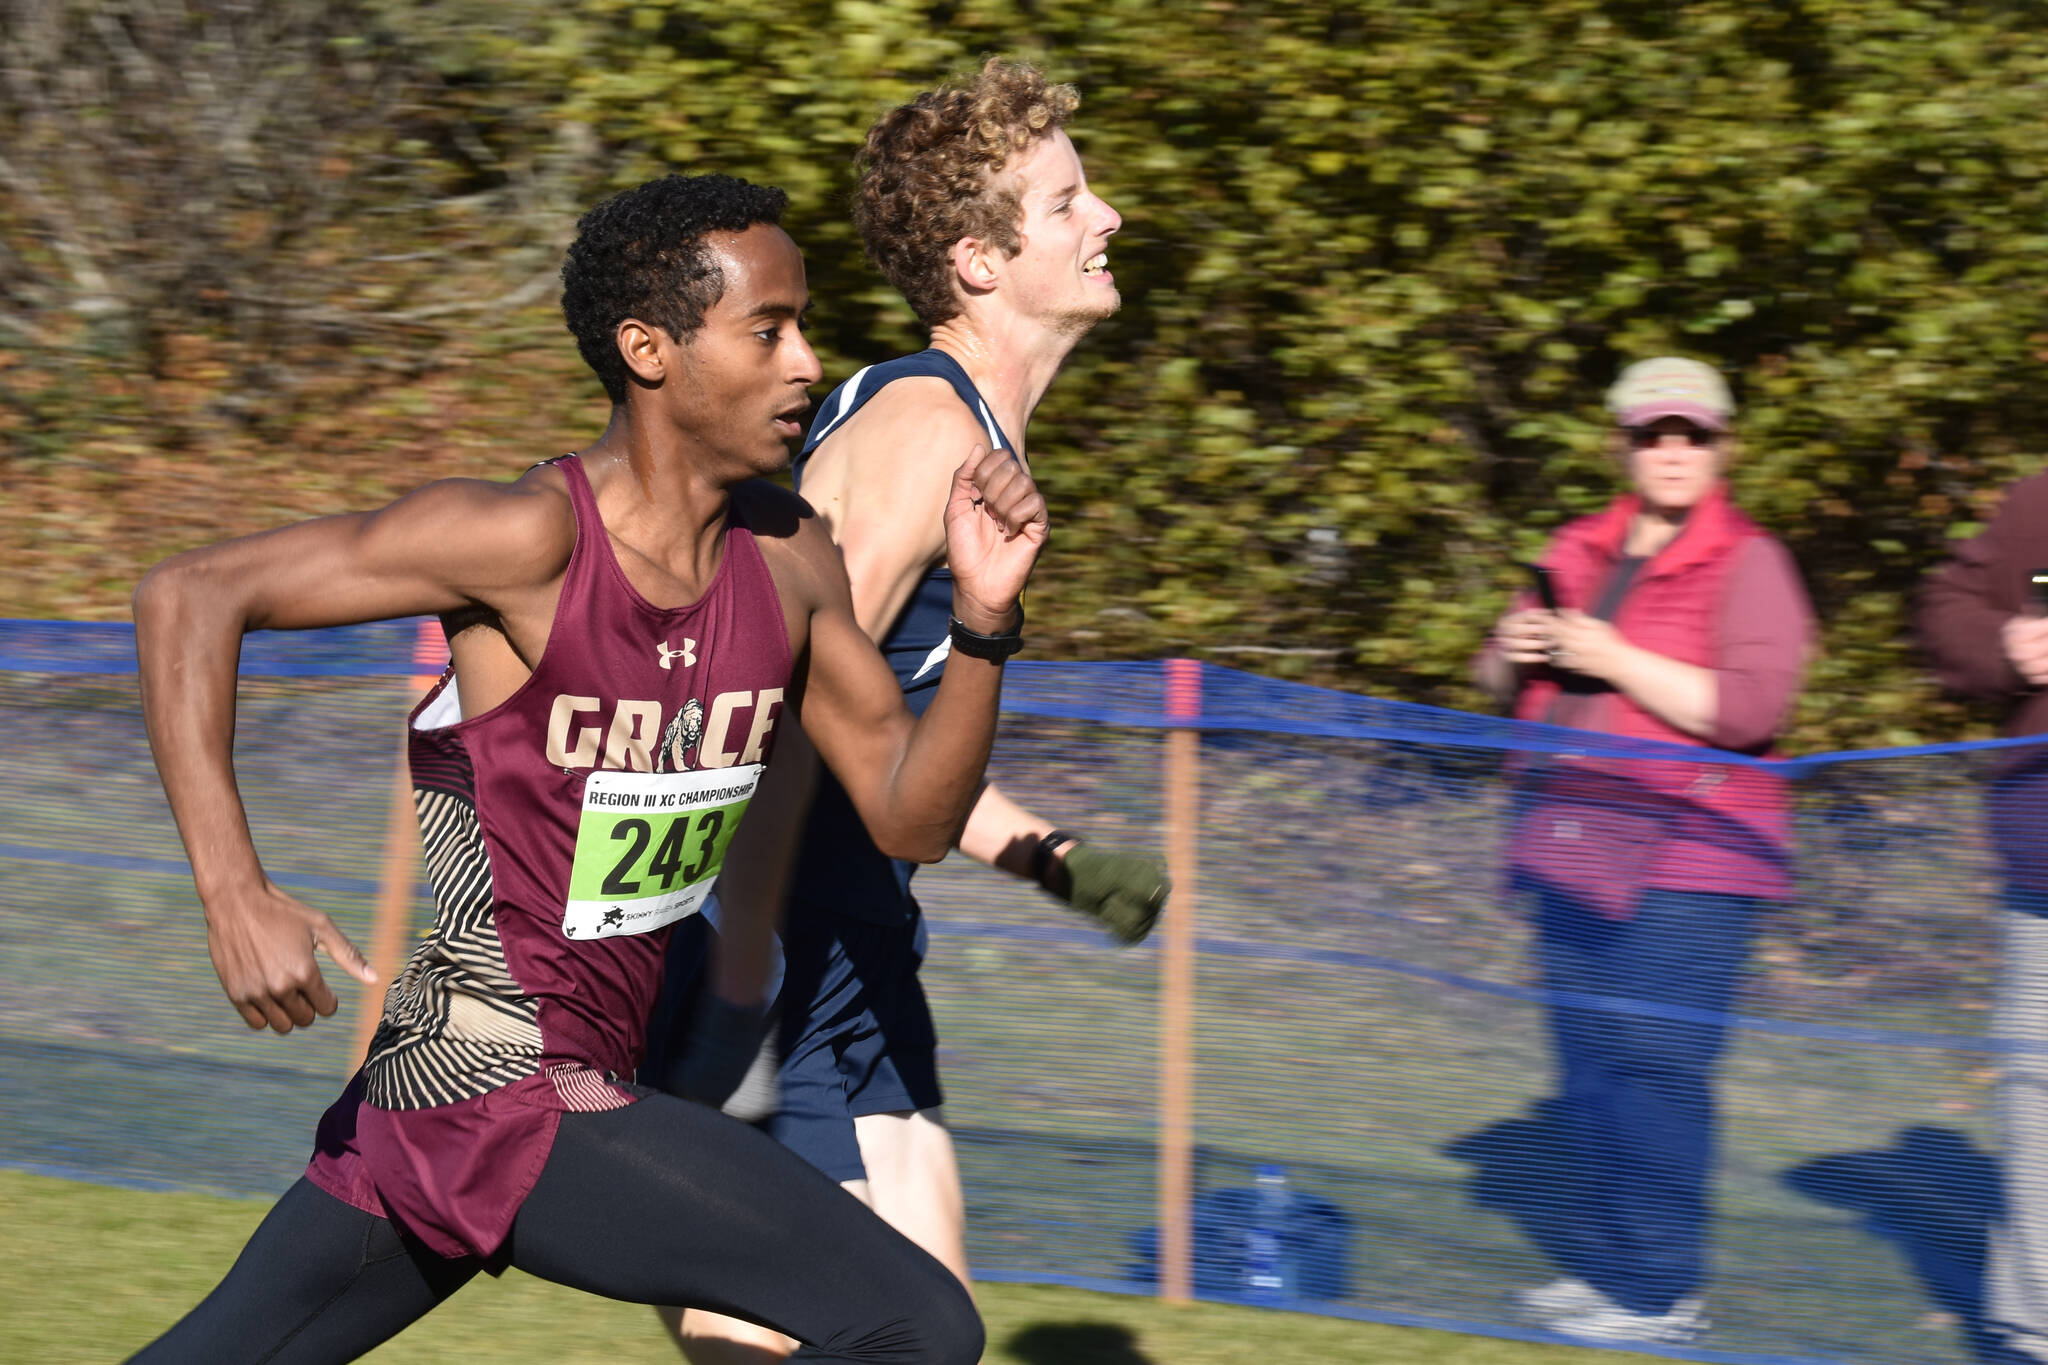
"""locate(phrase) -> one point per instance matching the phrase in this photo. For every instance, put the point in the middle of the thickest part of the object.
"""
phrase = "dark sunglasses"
(1642, 438)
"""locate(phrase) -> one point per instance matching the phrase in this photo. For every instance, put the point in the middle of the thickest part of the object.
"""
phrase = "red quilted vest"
(1607, 829)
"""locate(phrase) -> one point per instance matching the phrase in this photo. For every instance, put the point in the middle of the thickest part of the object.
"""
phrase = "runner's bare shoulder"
(487, 535)
(793, 538)
(785, 525)
(915, 424)
(797, 548)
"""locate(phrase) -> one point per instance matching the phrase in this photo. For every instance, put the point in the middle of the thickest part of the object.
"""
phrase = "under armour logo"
(688, 654)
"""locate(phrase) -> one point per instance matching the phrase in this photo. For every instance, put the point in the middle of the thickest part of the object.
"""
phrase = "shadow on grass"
(1520, 1171)
(1076, 1343)
(1934, 1196)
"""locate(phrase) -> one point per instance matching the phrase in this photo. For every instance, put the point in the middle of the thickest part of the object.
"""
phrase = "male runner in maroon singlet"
(628, 627)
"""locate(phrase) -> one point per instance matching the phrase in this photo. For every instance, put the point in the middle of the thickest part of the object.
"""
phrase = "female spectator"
(1680, 621)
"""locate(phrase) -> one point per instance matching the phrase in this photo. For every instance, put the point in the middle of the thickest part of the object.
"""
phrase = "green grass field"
(1357, 1022)
(94, 1273)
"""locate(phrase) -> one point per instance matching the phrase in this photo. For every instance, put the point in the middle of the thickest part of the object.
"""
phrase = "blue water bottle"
(1265, 1273)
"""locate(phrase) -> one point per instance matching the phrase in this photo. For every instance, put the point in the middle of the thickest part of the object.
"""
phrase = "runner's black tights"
(661, 1202)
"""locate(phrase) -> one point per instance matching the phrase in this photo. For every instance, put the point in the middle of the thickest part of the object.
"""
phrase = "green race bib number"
(649, 845)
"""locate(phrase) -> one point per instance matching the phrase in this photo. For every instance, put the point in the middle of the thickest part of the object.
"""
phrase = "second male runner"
(973, 203)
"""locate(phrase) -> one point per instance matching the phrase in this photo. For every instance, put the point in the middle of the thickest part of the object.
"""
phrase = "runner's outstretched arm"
(1124, 891)
(436, 550)
(890, 529)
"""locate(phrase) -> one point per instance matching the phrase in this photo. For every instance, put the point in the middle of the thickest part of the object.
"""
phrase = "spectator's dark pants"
(2017, 1269)
(1637, 1040)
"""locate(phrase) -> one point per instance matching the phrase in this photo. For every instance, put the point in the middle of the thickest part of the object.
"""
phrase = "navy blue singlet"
(838, 867)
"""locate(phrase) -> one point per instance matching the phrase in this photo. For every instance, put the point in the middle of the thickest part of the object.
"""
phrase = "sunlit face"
(1061, 273)
(1673, 463)
(742, 379)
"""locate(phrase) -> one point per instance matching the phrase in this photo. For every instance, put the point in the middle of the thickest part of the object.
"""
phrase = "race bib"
(649, 845)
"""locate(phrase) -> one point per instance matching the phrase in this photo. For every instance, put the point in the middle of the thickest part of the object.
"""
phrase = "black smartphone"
(2037, 591)
(1546, 587)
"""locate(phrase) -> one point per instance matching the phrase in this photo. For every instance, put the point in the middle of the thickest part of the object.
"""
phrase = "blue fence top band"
(380, 649)
(1132, 694)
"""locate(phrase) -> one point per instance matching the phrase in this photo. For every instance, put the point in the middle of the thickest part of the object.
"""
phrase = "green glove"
(1126, 891)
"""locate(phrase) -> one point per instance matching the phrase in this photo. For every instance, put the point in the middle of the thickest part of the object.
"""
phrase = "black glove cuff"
(994, 648)
(1044, 870)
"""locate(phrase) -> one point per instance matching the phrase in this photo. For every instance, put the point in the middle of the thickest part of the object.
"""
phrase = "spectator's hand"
(1586, 644)
(2026, 644)
(1525, 637)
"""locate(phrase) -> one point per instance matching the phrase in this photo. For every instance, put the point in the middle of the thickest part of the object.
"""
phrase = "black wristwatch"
(1042, 852)
(994, 648)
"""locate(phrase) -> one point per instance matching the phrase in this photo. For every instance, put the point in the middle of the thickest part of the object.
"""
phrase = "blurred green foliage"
(1380, 261)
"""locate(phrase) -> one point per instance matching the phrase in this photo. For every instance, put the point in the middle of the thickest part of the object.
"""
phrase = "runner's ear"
(640, 347)
(972, 265)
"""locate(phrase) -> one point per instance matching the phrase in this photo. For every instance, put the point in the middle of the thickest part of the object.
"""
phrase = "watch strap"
(994, 648)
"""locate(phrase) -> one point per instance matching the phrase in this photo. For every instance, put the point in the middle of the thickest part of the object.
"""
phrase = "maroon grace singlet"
(565, 831)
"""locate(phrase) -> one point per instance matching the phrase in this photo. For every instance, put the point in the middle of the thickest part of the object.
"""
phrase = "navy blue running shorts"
(857, 1034)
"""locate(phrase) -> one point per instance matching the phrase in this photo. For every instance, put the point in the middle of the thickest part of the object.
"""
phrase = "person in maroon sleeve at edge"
(1982, 624)
(1678, 621)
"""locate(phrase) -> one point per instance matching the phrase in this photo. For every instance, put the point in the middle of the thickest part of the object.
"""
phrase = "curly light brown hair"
(929, 176)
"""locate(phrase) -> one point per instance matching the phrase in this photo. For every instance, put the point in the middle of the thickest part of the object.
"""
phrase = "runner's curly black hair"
(641, 254)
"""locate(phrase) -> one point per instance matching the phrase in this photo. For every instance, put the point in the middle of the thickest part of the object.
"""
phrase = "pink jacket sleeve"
(1762, 642)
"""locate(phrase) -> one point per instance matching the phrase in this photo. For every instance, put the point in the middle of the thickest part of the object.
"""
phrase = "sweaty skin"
(708, 418)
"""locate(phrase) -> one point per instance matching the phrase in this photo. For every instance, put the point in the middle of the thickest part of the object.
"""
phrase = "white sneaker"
(1561, 1298)
(1686, 1319)
(2025, 1346)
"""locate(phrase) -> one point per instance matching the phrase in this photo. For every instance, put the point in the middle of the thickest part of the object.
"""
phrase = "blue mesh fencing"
(1457, 1081)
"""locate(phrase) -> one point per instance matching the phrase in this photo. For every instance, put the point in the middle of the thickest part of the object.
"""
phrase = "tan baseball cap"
(1671, 386)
